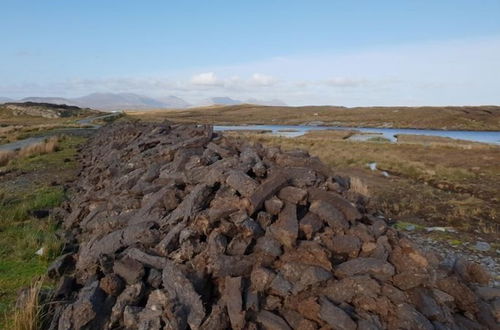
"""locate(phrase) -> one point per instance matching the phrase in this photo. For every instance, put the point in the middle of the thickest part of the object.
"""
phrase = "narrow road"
(16, 145)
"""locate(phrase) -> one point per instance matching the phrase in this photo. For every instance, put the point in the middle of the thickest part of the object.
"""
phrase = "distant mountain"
(111, 101)
(274, 102)
(220, 100)
(224, 100)
(174, 102)
(120, 101)
(5, 99)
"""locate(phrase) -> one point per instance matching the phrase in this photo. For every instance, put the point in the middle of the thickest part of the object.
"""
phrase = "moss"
(455, 242)
(401, 225)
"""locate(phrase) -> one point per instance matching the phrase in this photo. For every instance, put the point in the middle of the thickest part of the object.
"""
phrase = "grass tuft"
(48, 146)
(45, 147)
(358, 186)
(29, 314)
(6, 156)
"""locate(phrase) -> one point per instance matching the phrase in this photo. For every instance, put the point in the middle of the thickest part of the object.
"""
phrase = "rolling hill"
(122, 101)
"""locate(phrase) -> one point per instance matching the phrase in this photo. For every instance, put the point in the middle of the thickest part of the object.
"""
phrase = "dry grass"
(357, 185)
(461, 118)
(437, 141)
(15, 133)
(16, 127)
(45, 147)
(28, 314)
(49, 145)
(442, 184)
(6, 156)
(10, 129)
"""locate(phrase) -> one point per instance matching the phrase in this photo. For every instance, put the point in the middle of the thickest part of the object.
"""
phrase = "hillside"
(121, 101)
(5, 99)
(459, 118)
(45, 110)
(109, 101)
(223, 101)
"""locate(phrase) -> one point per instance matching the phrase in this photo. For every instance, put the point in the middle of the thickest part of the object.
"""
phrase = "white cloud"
(263, 80)
(212, 81)
(345, 82)
(205, 79)
(438, 73)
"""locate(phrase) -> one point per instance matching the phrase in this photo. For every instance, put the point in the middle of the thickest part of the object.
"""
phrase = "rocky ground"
(176, 227)
(488, 258)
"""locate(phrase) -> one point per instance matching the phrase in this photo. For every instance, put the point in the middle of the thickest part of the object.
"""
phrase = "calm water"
(388, 133)
(298, 130)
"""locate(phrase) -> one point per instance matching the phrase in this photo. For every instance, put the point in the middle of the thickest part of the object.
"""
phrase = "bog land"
(419, 182)
(446, 118)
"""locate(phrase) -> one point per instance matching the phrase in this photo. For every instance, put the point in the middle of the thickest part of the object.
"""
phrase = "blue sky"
(302, 52)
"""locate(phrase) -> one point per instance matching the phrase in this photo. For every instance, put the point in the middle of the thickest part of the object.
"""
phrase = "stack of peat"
(177, 227)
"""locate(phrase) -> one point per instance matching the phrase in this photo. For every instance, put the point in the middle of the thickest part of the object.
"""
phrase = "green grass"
(62, 159)
(17, 208)
(46, 130)
(13, 276)
(21, 235)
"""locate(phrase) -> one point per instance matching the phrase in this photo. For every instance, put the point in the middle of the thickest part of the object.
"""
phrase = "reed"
(28, 313)
(6, 156)
(45, 147)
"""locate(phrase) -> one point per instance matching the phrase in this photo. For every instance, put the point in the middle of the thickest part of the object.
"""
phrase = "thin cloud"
(263, 79)
(345, 82)
(212, 80)
(439, 73)
(205, 79)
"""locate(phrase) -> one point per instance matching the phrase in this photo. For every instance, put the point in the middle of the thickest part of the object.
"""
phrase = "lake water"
(491, 137)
